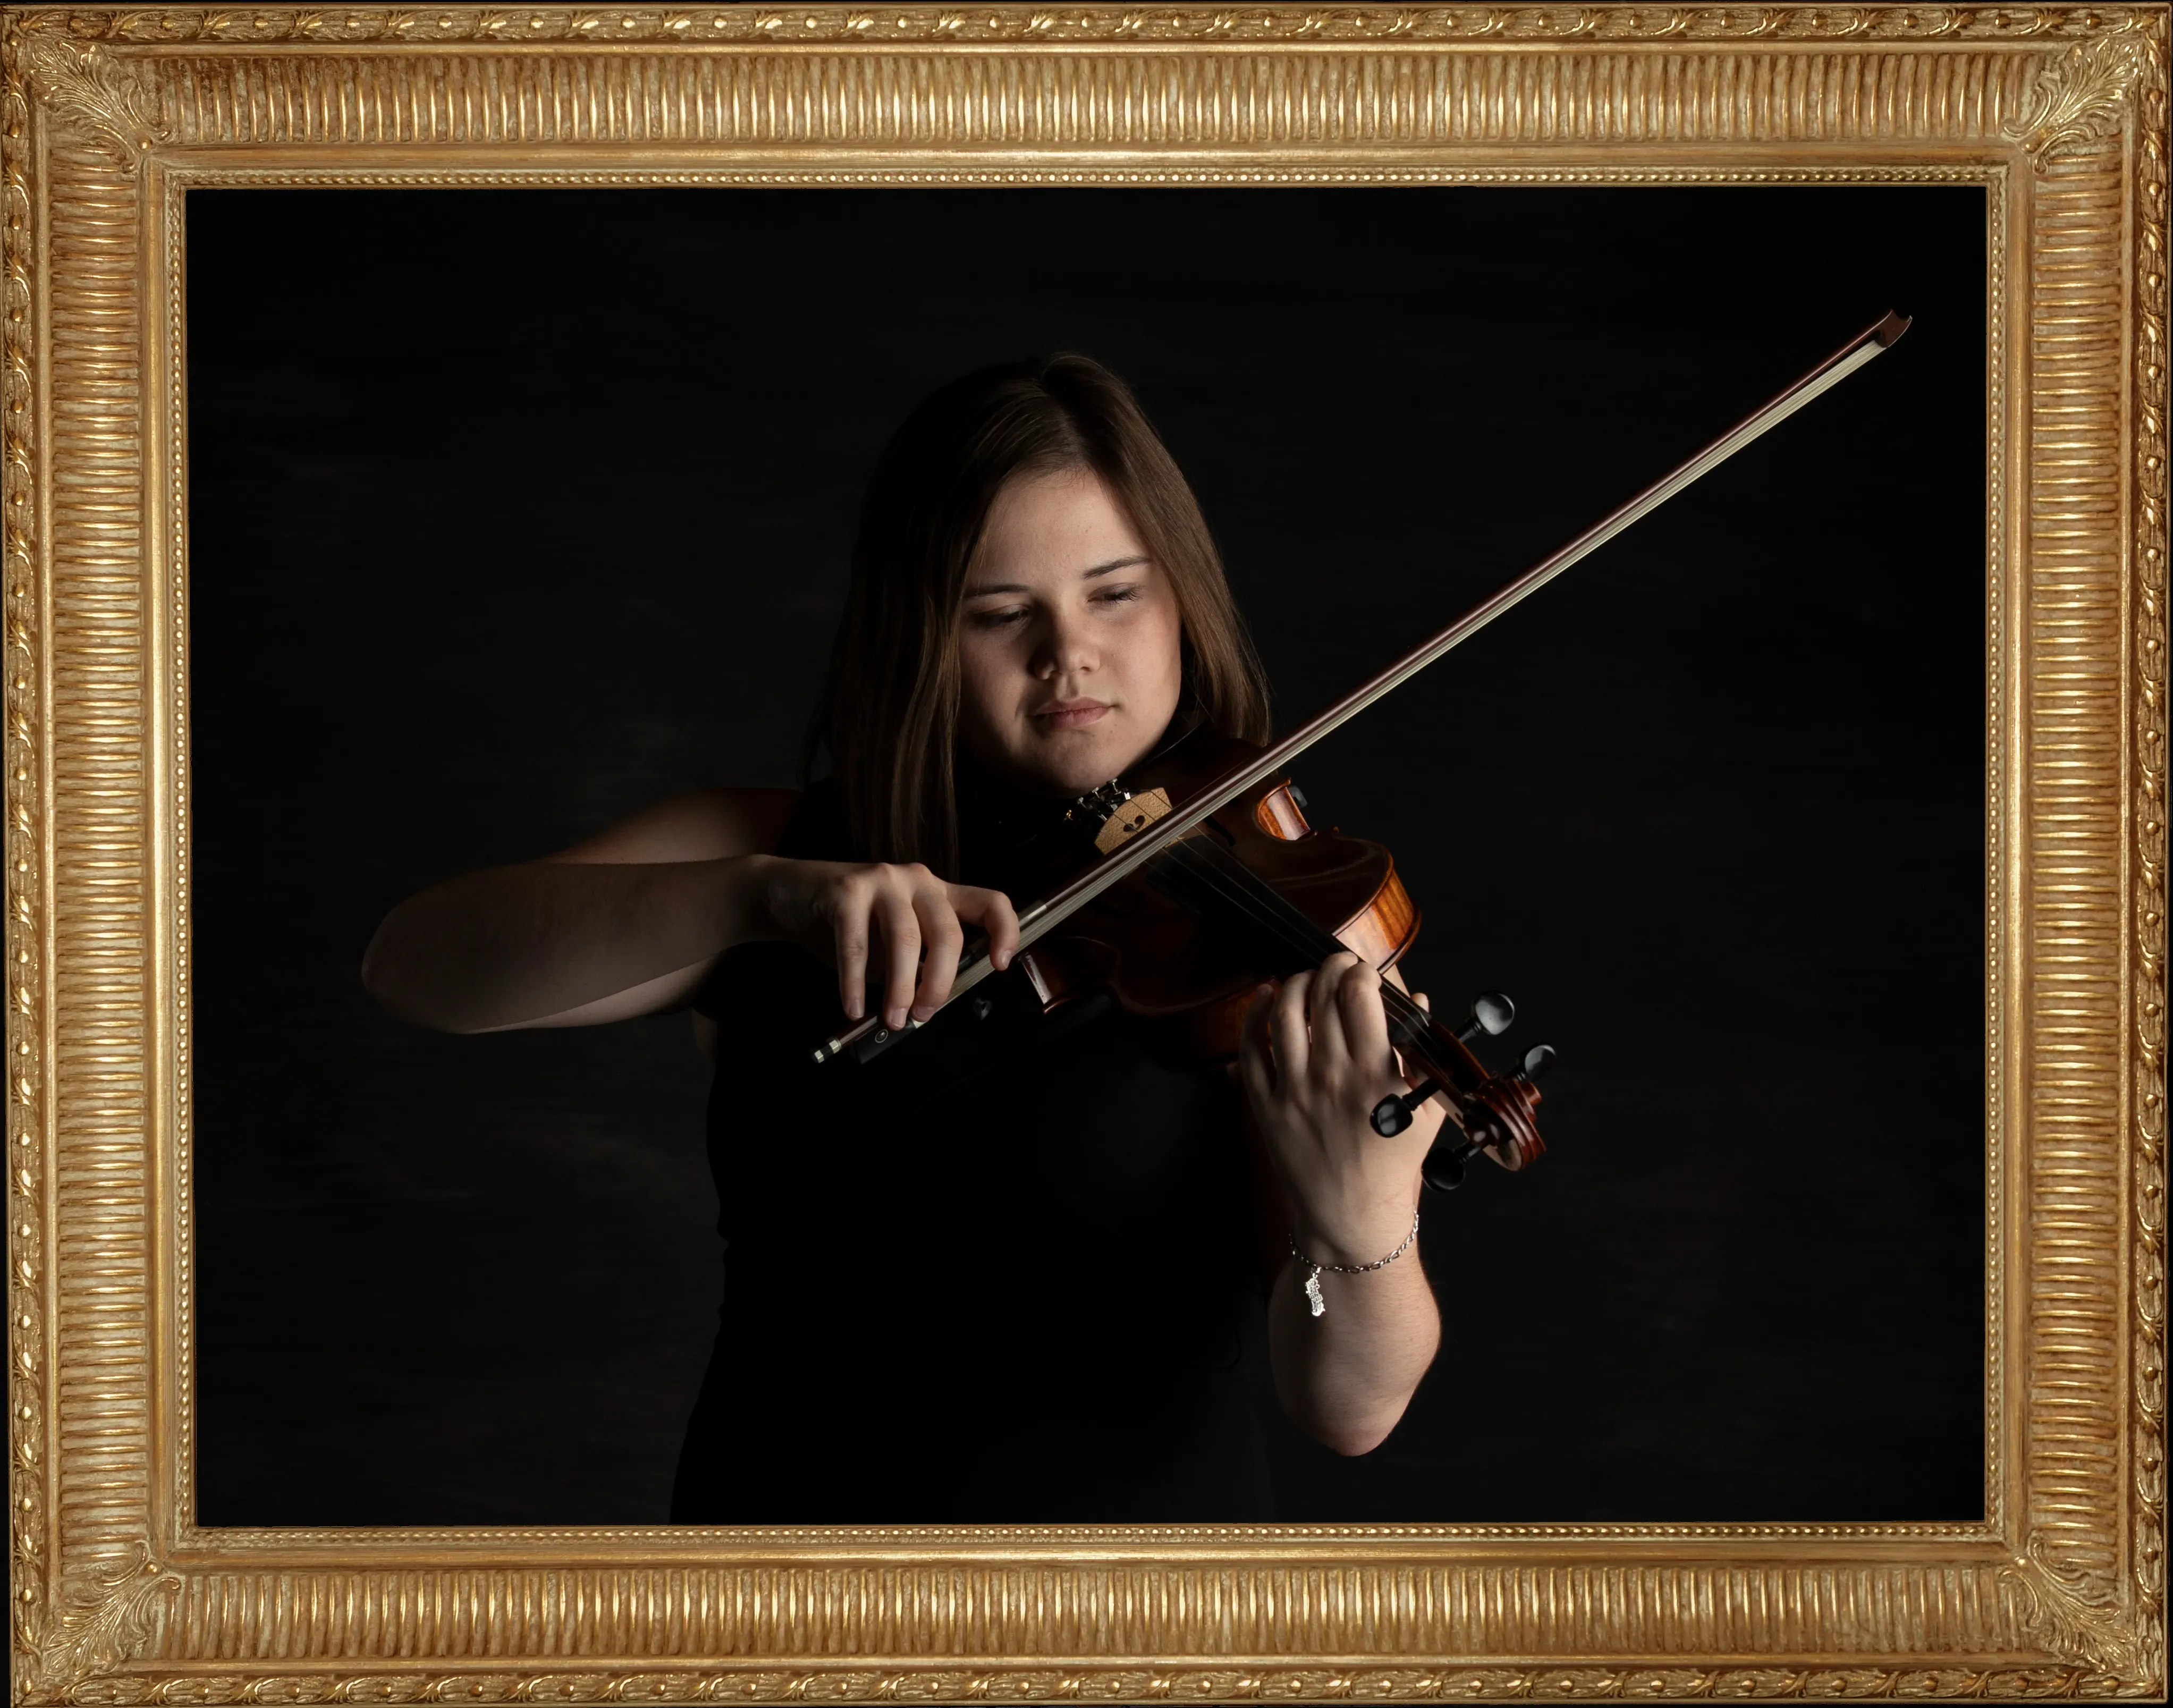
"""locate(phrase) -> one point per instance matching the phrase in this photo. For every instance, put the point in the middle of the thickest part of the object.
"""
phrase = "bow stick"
(872, 1035)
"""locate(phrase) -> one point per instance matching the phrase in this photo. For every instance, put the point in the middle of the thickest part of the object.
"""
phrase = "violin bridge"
(1128, 818)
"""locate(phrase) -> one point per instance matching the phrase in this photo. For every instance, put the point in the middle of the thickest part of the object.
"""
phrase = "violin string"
(1298, 930)
(1240, 890)
(1222, 873)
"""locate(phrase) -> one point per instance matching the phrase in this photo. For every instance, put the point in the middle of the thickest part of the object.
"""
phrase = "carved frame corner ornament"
(2075, 1619)
(107, 115)
(2085, 94)
(108, 1620)
(85, 85)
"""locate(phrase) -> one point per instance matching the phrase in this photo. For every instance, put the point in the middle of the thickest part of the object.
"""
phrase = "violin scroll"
(1491, 1015)
(1489, 1113)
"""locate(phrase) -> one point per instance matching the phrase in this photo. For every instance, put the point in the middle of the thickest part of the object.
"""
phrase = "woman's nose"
(1066, 647)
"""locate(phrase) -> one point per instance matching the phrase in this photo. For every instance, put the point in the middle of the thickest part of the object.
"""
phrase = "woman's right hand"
(903, 920)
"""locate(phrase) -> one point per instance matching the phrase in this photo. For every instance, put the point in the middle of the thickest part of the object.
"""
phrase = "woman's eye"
(1116, 596)
(998, 619)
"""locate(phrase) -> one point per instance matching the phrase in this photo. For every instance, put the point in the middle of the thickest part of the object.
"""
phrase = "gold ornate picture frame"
(110, 115)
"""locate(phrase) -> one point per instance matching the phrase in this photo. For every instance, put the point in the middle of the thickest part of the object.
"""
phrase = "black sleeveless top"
(1003, 1273)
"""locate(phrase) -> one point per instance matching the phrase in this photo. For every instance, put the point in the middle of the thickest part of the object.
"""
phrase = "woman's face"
(1069, 642)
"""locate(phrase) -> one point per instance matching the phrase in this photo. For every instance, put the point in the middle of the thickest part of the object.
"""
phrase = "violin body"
(1191, 1003)
(1253, 894)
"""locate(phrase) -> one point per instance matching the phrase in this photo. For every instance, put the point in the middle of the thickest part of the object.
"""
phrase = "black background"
(512, 511)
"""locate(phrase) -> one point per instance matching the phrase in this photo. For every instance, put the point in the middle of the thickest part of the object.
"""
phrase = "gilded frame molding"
(108, 115)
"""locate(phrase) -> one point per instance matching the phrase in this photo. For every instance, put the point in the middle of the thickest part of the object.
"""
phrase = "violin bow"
(872, 1035)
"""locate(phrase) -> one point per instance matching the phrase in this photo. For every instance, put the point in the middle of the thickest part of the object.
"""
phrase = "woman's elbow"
(388, 978)
(1353, 1428)
(1353, 1440)
(380, 975)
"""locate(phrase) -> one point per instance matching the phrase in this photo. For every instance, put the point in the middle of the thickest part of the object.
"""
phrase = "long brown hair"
(890, 714)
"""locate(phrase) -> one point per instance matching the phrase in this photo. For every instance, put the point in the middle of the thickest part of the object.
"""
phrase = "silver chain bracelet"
(1312, 1269)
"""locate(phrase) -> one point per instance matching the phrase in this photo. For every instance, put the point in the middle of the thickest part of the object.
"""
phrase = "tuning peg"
(1443, 1167)
(1393, 1113)
(1443, 1170)
(1538, 1060)
(1491, 1015)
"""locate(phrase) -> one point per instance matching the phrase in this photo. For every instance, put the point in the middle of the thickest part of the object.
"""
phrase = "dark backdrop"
(512, 511)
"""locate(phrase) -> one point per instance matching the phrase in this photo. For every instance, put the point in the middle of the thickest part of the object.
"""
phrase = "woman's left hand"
(1315, 1061)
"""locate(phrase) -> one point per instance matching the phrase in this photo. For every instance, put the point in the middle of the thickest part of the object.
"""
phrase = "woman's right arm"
(633, 920)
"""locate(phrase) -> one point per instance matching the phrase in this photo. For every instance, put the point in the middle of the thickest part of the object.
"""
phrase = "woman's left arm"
(1316, 1059)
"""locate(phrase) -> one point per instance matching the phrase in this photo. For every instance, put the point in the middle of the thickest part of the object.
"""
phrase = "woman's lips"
(1070, 714)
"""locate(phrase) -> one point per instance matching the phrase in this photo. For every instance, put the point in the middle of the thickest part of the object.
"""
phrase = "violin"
(1183, 886)
(1256, 893)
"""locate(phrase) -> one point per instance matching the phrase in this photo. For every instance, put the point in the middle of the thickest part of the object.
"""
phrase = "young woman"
(1012, 1271)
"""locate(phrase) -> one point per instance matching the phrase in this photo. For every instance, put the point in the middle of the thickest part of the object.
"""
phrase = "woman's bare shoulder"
(703, 824)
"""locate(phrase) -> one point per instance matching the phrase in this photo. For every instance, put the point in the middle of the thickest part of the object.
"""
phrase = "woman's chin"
(1063, 763)
(1068, 780)
(1072, 767)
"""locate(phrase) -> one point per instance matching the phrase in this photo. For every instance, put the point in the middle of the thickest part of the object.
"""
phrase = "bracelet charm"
(1314, 1302)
